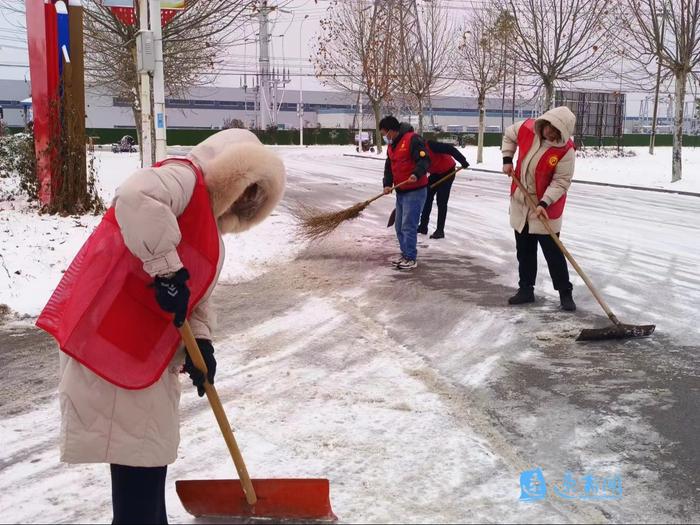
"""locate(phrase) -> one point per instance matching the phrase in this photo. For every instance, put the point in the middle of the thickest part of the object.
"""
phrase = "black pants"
(442, 192)
(526, 246)
(138, 494)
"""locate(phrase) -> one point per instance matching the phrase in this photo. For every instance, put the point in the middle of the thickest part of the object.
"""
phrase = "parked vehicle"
(367, 142)
(125, 145)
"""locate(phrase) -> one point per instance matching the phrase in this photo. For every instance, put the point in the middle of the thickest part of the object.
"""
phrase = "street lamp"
(652, 138)
(301, 87)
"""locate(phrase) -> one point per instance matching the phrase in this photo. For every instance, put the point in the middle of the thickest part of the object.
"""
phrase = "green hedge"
(338, 136)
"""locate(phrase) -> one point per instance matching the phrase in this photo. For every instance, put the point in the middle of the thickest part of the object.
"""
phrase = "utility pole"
(264, 65)
(503, 95)
(359, 136)
(145, 40)
(301, 86)
(158, 81)
(512, 109)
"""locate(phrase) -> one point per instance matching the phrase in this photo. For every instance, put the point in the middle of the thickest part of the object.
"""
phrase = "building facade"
(212, 107)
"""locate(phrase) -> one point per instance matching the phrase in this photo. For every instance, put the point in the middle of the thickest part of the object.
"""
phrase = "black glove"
(173, 294)
(195, 374)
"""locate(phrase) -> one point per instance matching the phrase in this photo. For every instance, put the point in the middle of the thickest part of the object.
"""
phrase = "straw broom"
(315, 224)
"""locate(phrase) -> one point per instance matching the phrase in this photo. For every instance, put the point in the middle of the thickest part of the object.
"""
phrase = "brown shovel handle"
(533, 205)
(217, 407)
(382, 194)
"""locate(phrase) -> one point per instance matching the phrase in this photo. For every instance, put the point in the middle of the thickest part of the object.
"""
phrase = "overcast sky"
(294, 29)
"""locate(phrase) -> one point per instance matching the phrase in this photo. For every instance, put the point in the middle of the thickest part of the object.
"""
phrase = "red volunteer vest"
(103, 312)
(402, 165)
(544, 171)
(440, 162)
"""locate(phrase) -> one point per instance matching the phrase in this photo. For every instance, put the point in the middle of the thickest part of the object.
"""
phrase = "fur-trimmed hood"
(561, 118)
(244, 178)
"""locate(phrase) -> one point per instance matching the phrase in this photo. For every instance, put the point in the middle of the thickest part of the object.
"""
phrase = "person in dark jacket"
(442, 162)
(406, 165)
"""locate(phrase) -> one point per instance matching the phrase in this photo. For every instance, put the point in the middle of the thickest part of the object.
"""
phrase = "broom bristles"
(315, 224)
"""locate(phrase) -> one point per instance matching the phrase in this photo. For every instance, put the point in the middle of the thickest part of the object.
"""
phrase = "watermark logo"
(533, 487)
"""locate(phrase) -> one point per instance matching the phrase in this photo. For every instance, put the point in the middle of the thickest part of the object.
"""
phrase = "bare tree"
(482, 63)
(670, 31)
(561, 40)
(426, 35)
(193, 45)
(647, 72)
(355, 51)
(504, 29)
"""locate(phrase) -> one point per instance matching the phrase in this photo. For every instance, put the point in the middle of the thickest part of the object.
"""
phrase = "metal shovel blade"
(623, 331)
(392, 219)
(306, 499)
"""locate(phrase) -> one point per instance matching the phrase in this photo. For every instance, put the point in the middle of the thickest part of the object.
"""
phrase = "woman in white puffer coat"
(137, 431)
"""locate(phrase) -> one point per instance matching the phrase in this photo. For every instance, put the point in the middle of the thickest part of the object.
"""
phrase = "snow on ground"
(36, 249)
(323, 376)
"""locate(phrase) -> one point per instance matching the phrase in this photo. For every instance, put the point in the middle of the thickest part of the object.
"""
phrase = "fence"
(330, 136)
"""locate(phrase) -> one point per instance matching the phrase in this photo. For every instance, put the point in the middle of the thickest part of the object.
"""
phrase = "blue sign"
(63, 34)
(533, 487)
(160, 120)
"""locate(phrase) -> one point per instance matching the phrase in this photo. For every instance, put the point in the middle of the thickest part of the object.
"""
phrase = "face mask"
(387, 140)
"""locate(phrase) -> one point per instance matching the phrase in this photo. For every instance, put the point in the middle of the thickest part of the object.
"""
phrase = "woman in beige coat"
(137, 431)
(546, 159)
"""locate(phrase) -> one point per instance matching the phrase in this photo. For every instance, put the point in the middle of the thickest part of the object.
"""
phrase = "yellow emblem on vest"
(421, 154)
(553, 161)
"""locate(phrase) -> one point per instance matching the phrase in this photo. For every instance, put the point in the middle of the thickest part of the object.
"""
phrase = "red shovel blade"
(307, 499)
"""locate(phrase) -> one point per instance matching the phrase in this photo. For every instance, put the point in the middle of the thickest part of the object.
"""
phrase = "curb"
(578, 181)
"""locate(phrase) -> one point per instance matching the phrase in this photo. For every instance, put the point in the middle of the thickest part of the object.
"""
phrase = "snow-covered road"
(421, 395)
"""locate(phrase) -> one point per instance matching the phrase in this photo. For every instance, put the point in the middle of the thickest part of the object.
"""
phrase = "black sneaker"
(524, 295)
(567, 301)
(423, 229)
(438, 234)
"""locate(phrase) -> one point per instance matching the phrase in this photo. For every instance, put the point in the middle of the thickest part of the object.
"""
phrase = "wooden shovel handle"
(533, 205)
(198, 361)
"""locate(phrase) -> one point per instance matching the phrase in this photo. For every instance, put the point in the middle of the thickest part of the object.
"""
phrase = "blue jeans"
(409, 206)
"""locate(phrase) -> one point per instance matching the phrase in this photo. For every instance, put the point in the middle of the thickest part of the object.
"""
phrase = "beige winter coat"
(564, 120)
(102, 423)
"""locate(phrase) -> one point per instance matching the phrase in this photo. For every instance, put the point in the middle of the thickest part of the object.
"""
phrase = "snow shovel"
(392, 217)
(618, 330)
(297, 499)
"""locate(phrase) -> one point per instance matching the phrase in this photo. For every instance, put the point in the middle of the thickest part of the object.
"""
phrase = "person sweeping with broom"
(546, 160)
(157, 252)
(442, 163)
(405, 171)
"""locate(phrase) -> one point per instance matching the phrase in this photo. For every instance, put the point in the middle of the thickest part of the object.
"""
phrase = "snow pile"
(605, 153)
(35, 250)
